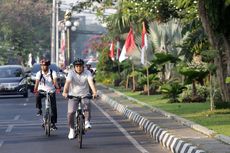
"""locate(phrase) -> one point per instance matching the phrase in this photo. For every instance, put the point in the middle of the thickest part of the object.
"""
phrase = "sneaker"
(87, 125)
(53, 127)
(71, 134)
(39, 112)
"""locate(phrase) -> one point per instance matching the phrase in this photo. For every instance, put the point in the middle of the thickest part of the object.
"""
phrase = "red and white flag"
(118, 50)
(128, 47)
(144, 44)
(63, 42)
(111, 52)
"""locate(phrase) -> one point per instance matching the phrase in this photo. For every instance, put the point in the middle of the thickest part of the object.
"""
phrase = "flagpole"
(147, 71)
(134, 86)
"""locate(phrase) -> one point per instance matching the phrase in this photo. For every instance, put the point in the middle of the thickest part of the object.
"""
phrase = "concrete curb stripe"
(143, 122)
(178, 145)
(192, 149)
(154, 131)
(152, 128)
(165, 138)
(148, 128)
(133, 115)
(161, 137)
(135, 118)
(139, 118)
(173, 147)
(181, 146)
(142, 118)
(146, 125)
(169, 141)
(185, 147)
(158, 134)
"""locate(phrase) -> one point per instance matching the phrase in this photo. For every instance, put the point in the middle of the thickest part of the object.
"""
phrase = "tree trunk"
(222, 45)
(194, 92)
(134, 82)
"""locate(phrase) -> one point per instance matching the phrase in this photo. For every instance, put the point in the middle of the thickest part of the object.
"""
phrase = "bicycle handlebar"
(45, 92)
(78, 97)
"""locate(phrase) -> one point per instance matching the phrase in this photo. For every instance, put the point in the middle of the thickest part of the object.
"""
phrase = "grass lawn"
(217, 120)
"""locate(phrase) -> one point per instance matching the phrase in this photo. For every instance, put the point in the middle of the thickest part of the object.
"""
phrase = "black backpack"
(51, 75)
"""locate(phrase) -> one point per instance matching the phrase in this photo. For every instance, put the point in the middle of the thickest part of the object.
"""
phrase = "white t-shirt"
(46, 82)
(79, 83)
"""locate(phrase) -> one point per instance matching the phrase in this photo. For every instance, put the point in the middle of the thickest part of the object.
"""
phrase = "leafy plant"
(172, 90)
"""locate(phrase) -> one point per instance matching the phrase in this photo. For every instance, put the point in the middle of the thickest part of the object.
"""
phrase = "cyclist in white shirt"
(46, 80)
(77, 84)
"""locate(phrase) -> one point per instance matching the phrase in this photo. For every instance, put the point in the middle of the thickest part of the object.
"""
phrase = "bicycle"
(80, 119)
(48, 111)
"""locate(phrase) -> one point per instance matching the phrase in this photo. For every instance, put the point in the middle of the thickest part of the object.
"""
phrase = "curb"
(167, 140)
(188, 123)
(195, 126)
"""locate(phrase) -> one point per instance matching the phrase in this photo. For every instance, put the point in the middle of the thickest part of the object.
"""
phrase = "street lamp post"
(71, 26)
(68, 25)
(53, 35)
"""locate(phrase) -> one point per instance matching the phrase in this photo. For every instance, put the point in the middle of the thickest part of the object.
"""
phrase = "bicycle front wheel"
(80, 129)
(47, 123)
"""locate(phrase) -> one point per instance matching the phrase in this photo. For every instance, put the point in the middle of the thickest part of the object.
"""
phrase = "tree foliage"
(24, 27)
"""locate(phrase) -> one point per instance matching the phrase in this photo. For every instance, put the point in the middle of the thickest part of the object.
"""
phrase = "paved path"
(173, 132)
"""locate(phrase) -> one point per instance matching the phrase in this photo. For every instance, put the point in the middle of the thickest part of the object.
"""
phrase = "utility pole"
(53, 33)
(57, 32)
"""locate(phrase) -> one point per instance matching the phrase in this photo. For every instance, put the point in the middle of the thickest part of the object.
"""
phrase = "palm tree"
(165, 37)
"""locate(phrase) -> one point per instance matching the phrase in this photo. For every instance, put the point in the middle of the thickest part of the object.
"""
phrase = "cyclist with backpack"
(46, 80)
(77, 84)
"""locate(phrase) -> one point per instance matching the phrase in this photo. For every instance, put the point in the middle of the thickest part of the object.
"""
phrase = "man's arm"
(66, 88)
(36, 82)
(55, 83)
(93, 87)
(36, 85)
(54, 76)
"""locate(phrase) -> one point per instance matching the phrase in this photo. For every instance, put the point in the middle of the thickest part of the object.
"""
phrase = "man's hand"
(58, 90)
(35, 92)
(95, 95)
(64, 94)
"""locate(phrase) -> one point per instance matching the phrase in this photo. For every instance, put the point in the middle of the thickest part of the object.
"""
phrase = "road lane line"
(1, 143)
(16, 117)
(9, 128)
(129, 137)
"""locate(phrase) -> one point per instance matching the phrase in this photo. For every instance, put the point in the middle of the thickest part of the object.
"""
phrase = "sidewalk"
(173, 132)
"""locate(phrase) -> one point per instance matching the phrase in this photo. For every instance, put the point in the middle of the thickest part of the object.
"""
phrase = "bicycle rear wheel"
(47, 123)
(80, 129)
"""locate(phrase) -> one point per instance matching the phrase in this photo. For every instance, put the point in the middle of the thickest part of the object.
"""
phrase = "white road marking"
(1, 143)
(16, 117)
(129, 137)
(9, 128)
(25, 104)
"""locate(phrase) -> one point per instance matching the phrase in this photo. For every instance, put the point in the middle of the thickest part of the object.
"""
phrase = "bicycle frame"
(48, 111)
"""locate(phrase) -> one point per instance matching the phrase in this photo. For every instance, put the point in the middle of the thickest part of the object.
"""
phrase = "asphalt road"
(21, 132)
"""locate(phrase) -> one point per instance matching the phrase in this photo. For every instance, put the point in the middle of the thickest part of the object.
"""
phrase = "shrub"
(202, 94)
(172, 90)
(221, 105)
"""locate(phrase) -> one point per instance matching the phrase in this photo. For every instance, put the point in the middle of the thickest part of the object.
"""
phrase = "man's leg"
(54, 111)
(70, 117)
(39, 104)
(87, 112)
